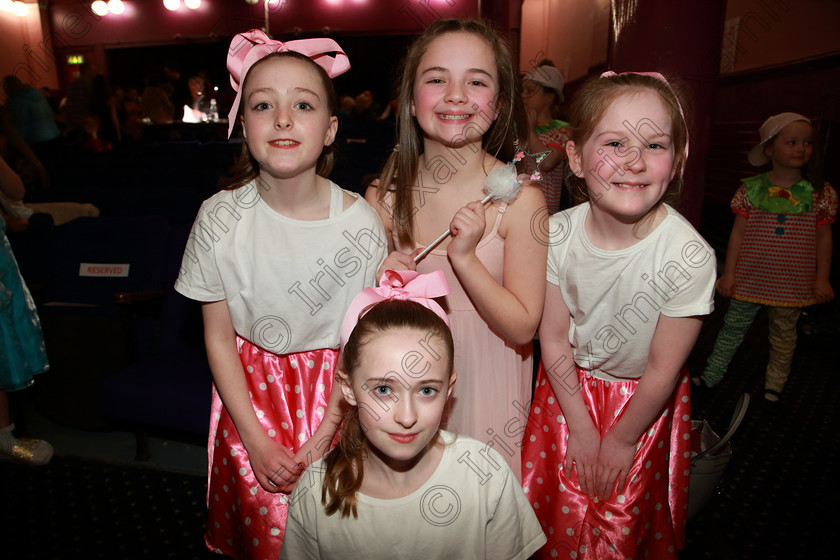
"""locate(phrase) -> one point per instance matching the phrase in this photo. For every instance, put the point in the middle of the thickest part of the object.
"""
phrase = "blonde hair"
(593, 99)
(508, 130)
(345, 463)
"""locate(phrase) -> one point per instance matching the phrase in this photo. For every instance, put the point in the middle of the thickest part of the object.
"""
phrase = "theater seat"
(86, 332)
(94, 258)
(168, 389)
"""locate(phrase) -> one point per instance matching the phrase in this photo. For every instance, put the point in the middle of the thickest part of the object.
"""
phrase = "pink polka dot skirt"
(289, 394)
(647, 520)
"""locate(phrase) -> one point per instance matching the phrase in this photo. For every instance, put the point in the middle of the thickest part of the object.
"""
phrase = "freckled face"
(456, 89)
(629, 161)
(286, 118)
(400, 389)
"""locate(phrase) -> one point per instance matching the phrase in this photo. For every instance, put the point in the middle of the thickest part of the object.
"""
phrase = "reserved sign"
(104, 270)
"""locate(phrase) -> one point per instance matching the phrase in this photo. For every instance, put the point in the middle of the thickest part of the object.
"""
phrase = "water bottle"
(214, 111)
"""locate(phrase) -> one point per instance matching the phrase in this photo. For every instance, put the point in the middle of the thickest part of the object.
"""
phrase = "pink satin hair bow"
(663, 79)
(249, 47)
(402, 284)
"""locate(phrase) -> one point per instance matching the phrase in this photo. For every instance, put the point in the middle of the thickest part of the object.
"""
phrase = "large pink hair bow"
(402, 284)
(249, 47)
(663, 79)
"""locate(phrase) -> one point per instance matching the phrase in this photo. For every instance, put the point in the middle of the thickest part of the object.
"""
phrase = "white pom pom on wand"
(501, 185)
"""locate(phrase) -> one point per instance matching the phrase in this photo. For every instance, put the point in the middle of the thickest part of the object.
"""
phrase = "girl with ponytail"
(393, 467)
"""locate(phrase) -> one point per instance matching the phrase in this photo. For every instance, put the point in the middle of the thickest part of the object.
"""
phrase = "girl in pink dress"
(459, 99)
(275, 260)
(607, 448)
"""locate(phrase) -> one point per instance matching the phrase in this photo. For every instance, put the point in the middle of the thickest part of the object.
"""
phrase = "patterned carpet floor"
(76, 508)
(779, 487)
(774, 502)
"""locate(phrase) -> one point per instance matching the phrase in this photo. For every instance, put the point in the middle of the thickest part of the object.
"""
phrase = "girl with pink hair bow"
(396, 485)
(275, 259)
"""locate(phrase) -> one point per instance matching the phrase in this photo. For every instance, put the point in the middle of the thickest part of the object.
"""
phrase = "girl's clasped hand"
(275, 258)
(393, 466)
(606, 444)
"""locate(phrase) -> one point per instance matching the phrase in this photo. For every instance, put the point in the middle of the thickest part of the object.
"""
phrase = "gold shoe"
(36, 452)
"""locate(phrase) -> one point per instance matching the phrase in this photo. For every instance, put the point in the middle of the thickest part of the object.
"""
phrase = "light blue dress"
(21, 339)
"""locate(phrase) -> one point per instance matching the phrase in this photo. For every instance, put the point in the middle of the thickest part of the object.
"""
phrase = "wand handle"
(431, 246)
(440, 238)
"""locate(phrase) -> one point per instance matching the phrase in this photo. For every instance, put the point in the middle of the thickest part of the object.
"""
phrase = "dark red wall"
(75, 29)
(681, 40)
(147, 21)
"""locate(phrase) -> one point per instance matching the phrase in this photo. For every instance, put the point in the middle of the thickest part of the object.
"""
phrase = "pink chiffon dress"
(493, 391)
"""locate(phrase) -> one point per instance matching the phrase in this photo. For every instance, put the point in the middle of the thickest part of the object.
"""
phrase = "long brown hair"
(593, 99)
(246, 168)
(508, 130)
(345, 463)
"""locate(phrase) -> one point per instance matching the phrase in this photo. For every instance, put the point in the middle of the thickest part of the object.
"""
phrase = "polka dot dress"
(777, 264)
(289, 393)
(647, 520)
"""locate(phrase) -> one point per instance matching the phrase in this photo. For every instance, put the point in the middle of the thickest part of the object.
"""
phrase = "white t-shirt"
(615, 297)
(471, 507)
(287, 283)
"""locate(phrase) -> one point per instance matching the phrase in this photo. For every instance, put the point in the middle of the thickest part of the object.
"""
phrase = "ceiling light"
(20, 9)
(116, 7)
(99, 8)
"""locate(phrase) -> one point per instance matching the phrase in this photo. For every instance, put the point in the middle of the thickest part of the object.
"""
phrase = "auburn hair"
(344, 464)
(592, 101)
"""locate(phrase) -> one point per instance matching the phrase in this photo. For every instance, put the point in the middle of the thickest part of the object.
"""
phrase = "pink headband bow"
(403, 284)
(249, 47)
(661, 78)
